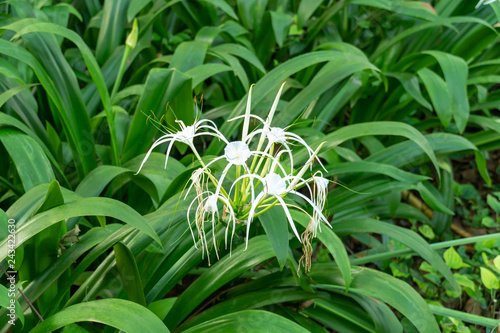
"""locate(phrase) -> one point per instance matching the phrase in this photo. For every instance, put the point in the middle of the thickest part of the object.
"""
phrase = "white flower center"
(211, 204)
(186, 135)
(237, 152)
(275, 185)
(276, 134)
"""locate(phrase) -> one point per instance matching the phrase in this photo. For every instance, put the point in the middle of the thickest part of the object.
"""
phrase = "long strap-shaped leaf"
(381, 286)
(229, 267)
(373, 128)
(124, 315)
(80, 207)
(405, 236)
(32, 25)
(249, 321)
(76, 125)
(270, 82)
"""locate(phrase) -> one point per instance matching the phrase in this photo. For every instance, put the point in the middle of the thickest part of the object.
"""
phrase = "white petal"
(237, 152)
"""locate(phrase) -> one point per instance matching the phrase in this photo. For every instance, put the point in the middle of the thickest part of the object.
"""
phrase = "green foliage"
(404, 94)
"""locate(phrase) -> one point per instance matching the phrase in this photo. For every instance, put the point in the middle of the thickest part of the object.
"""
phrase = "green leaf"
(453, 259)
(496, 262)
(412, 87)
(438, 92)
(405, 236)
(223, 271)
(464, 281)
(493, 203)
(250, 300)
(30, 160)
(306, 10)
(135, 7)
(251, 321)
(61, 86)
(131, 278)
(372, 128)
(489, 279)
(222, 4)
(427, 231)
(112, 28)
(467, 317)
(489, 222)
(6, 95)
(275, 224)
(380, 286)
(455, 73)
(162, 86)
(80, 207)
(188, 55)
(31, 25)
(333, 243)
(281, 22)
(161, 307)
(121, 314)
(268, 83)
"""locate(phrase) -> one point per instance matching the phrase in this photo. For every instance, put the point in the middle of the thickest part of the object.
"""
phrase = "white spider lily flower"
(276, 186)
(283, 137)
(185, 135)
(238, 153)
(261, 166)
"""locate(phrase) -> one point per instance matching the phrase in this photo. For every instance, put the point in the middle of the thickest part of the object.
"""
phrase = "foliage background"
(403, 92)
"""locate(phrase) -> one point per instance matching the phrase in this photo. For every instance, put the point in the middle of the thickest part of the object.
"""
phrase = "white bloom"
(260, 165)
(276, 186)
(185, 135)
(237, 153)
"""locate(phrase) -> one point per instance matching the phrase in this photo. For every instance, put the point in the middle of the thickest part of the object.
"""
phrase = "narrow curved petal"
(221, 179)
(320, 213)
(250, 215)
(243, 116)
(158, 142)
(288, 216)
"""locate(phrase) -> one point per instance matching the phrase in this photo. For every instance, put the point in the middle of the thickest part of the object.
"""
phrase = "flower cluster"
(262, 180)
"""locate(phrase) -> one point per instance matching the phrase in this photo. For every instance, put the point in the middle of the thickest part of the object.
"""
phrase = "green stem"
(110, 115)
(212, 178)
(121, 71)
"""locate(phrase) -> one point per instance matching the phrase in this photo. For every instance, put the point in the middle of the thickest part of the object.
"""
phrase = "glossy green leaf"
(121, 314)
(30, 161)
(405, 236)
(489, 279)
(259, 249)
(453, 259)
(383, 287)
(80, 207)
(275, 224)
(373, 128)
(249, 321)
(455, 73)
(438, 92)
(127, 267)
(112, 28)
